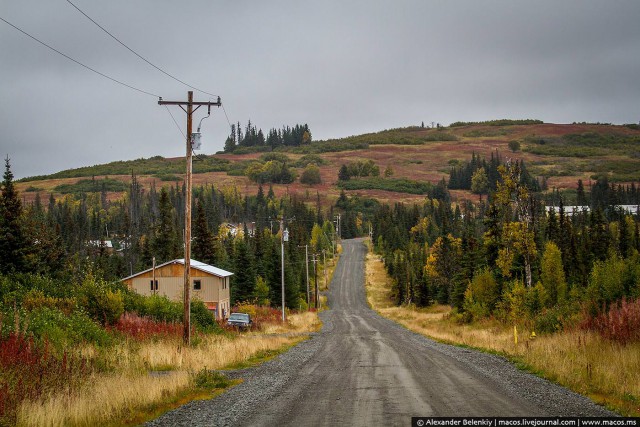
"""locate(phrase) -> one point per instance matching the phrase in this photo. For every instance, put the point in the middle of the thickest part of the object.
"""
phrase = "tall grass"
(582, 360)
(152, 371)
(29, 370)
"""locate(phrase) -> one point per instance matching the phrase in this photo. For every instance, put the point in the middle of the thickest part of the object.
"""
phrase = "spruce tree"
(13, 244)
(165, 245)
(244, 279)
(203, 240)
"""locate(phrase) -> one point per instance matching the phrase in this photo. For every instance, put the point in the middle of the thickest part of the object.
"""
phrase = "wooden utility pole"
(189, 104)
(315, 276)
(306, 263)
(324, 268)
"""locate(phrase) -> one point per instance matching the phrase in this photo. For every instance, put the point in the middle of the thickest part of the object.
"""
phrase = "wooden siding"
(214, 291)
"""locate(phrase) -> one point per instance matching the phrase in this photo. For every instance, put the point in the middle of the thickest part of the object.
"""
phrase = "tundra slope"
(362, 369)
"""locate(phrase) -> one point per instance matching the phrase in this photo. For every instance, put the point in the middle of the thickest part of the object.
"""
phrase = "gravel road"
(362, 369)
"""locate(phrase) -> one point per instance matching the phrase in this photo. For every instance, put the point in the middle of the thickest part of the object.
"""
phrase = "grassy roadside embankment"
(606, 372)
(154, 376)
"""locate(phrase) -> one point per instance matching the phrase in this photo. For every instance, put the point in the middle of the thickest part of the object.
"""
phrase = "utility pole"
(284, 238)
(306, 264)
(189, 104)
(154, 288)
(315, 275)
(324, 267)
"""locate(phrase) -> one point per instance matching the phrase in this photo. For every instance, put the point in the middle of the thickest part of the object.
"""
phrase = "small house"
(208, 283)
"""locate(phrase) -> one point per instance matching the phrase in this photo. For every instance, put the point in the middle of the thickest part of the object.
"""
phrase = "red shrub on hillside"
(621, 323)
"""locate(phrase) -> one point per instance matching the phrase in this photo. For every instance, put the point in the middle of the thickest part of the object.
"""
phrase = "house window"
(197, 285)
(151, 285)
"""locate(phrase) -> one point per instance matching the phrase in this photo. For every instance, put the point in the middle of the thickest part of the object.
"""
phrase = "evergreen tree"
(165, 244)
(244, 279)
(203, 240)
(343, 174)
(581, 199)
(13, 244)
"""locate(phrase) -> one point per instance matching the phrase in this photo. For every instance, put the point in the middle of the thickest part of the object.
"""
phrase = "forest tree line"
(66, 238)
(508, 258)
(254, 137)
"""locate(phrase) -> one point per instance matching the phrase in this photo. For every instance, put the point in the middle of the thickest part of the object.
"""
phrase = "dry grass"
(133, 391)
(607, 372)
(107, 398)
(299, 323)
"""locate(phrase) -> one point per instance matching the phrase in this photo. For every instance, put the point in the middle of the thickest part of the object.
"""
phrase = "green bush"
(203, 318)
(484, 289)
(35, 298)
(161, 309)
(606, 282)
(310, 159)
(273, 171)
(311, 175)
(549, 321)
(280, 157)
(210, 380)
(64, 331)
(168, 177)
(399, 185)
(101, 302)
(92, 186)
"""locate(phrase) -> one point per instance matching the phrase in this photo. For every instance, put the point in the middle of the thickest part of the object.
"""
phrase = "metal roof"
(197, 265)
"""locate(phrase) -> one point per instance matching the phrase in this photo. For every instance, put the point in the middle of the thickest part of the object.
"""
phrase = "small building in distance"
(570, 210)
(208, 283)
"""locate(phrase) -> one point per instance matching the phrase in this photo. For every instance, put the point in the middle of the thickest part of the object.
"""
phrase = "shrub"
(475, 308)
(102, 304)
(310, 159)
(549, 321)
(35, 298)
(279, 157)
(311, 175)
(273, 171)
(142, 328)
(621, 323)
(168, 177)
(92, 186)
(161, 308)
(399, 185)
(62, 330)
(606, 282)
(30, 370)
(482, 294)
(203, 318)
(210, 380)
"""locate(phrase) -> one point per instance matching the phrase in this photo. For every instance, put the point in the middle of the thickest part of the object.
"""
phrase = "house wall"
(214, 290)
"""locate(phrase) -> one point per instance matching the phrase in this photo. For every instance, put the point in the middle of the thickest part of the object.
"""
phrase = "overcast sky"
(343, 67)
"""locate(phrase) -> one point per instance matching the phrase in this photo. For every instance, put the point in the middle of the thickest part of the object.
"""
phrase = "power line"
(174, 121)
(78, 62)
(137, 54)
(225, 114)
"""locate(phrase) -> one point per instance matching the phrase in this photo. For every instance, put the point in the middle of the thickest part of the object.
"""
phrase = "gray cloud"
(342, 67)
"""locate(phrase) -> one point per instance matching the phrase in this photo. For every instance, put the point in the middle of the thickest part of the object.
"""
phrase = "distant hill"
(414, 159)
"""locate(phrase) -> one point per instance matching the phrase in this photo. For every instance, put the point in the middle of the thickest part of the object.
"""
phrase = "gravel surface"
(362, 369)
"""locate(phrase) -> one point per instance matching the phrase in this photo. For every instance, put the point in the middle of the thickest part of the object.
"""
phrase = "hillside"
(561, 153)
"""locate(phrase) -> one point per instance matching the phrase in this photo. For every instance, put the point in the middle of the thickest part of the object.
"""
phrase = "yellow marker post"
(515, 335)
